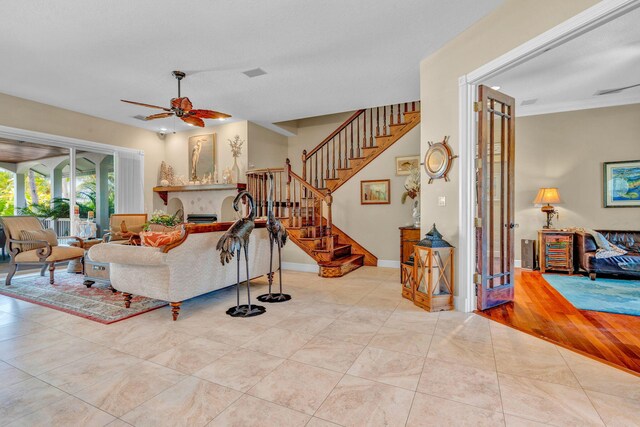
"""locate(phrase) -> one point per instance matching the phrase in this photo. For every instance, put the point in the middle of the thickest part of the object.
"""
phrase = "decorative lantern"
(433, 261)
(407, 277)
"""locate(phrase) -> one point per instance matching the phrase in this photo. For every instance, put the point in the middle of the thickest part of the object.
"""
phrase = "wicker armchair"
(29, 243)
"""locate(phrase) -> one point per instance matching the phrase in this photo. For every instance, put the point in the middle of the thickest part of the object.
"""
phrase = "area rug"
(602, 294)
(68, 294)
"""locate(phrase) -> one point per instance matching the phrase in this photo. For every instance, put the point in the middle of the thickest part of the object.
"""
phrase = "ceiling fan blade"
(145, 105)
(616, 90)
(182, 103)
(193, 121)
(158, 116)
(209, 114)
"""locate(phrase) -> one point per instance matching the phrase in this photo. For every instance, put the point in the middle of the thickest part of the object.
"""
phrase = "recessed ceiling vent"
(529, 101)
(254, 73)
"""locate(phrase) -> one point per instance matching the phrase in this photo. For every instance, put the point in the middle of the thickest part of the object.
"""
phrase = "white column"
(20, 201)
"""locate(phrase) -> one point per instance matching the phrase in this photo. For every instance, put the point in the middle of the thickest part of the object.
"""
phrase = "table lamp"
(545, 197)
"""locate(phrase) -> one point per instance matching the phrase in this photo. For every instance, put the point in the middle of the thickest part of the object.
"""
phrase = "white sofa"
(181, 270)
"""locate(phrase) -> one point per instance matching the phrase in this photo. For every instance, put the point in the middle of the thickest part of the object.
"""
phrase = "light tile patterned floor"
(344, 351)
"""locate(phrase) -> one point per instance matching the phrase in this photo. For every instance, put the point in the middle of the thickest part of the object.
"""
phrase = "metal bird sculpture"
(231, 243)
(278, 235)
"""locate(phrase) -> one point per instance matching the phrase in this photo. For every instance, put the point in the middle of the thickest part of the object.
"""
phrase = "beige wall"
(268, 148)
(34, 116)
(373, 226)
(510, 25)
(566, 150)
(177, 152)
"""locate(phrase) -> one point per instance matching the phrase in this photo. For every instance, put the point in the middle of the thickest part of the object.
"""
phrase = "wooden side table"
(556, 250)
(409, 236)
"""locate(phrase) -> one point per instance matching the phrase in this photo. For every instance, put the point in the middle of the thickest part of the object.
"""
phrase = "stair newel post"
(304, 165)
(329, 232)
(351, 153)
(287, 169)
(399, 116)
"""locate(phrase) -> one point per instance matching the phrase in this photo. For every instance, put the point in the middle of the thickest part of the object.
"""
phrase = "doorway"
(572, 108)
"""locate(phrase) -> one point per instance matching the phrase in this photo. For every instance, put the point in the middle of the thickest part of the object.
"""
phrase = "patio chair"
(29, 243)
(123, 226)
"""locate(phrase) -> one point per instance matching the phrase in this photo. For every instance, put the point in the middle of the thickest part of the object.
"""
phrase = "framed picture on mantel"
(375, 192)
(621, 184)
(202, 156)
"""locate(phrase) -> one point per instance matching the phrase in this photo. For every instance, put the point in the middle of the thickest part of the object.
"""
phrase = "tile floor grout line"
(495, 363)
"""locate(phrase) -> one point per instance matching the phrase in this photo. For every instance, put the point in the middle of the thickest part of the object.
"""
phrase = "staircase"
(303, 203)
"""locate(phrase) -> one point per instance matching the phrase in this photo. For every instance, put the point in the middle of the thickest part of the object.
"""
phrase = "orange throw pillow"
(156, 239)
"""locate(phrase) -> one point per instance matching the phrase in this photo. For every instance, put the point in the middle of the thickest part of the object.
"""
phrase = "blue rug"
(608, 295)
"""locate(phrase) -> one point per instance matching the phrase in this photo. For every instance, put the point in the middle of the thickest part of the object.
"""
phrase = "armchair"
(123, 226)
(29, 243)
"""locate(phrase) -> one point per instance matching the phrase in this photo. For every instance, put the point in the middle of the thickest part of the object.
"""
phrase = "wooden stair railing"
(307, 214)
(356, 142)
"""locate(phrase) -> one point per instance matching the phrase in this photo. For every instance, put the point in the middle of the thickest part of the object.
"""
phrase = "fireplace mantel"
(163, 192)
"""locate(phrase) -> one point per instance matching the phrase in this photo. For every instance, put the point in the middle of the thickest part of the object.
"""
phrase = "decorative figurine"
(235, 239)
(278, 234)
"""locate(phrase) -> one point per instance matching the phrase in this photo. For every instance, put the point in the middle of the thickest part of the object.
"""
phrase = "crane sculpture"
(231, 243)
(278, 235)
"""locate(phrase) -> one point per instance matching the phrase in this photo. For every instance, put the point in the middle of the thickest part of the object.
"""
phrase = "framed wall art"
(621, 184)
(202, 156)
(375, 192)
(406, 163)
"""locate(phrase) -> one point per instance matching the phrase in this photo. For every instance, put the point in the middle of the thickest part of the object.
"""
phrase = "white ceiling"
(569, 76)
(321, 56)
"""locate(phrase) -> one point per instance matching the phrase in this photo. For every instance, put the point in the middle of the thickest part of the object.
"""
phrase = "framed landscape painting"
(375, 192)
(406, 163)
(622, 184)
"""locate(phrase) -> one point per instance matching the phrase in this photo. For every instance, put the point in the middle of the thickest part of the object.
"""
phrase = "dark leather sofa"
(586, 253)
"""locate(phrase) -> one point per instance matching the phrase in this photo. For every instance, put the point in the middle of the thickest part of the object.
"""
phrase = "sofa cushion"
(125, 254)
(48, 236)
(627, 240)
(58, 253)
(157, 239)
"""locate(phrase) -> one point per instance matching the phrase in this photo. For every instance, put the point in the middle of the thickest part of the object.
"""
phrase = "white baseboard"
(517, 263)
(388, 263)
(298, 266)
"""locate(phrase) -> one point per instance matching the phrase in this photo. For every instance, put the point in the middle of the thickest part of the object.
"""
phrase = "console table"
(556, 250)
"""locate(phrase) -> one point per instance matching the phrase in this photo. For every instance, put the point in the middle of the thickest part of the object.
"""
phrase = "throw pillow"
(46, 235)
(601, 242)
(157, 239)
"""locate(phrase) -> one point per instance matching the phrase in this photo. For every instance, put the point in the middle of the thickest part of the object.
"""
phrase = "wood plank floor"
(540, 310)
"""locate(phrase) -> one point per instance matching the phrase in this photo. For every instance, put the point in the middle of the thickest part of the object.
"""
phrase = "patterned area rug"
(68, 294)
(602, 294)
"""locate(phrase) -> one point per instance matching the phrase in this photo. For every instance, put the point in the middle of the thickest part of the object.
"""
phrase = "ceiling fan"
(183, 108)
(616, 90)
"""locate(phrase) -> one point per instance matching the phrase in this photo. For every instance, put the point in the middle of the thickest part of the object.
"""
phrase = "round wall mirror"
(438, 160)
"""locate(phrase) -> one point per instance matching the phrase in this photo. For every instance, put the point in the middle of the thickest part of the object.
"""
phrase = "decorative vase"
(415, 212)
(235, 172)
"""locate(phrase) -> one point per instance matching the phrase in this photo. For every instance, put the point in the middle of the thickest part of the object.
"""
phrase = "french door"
(495, 198)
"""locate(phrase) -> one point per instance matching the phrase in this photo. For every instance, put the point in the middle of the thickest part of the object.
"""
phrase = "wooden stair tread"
(343, 169)
(335, 248)
(357, 158)
(341, 261)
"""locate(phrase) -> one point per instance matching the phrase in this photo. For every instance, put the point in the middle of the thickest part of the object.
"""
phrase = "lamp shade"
(547, 196)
